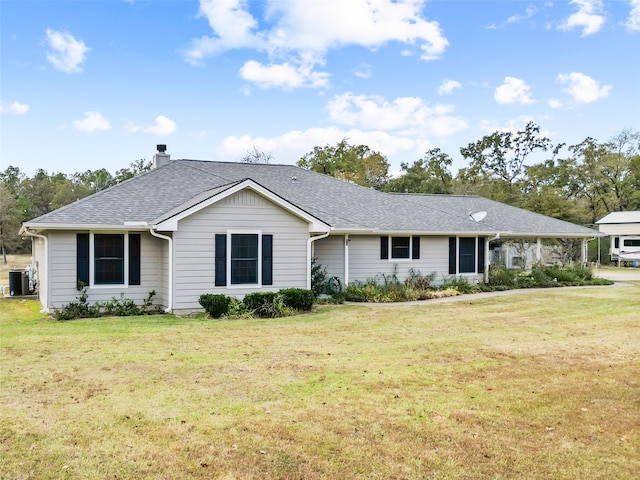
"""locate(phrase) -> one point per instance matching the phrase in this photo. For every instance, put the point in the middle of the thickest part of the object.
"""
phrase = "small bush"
(268, 305)
(215, 305)
(460, 284)
(318, 277)
(122, 307)
(417, 281)
(79, 309)
(501, 276)
(298, 298)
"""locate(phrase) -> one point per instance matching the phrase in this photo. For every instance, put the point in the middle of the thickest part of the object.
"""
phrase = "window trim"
(230, 285)
(92, 265)
(390, 256)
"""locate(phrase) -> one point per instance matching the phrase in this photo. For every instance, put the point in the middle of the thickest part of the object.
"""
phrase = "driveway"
(620, 274)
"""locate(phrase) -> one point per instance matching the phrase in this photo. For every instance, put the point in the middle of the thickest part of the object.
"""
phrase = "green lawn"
(534, 385)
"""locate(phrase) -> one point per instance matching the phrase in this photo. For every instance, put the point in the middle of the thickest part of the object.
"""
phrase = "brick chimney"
(161, 158)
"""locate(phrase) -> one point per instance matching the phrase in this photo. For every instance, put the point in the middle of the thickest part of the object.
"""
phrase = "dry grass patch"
(538, 385)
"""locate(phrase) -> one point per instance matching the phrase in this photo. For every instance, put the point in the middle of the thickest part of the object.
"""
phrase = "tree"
(429, 174)
(256, 156)
(354, 163)
(9, 222)
(501, 156)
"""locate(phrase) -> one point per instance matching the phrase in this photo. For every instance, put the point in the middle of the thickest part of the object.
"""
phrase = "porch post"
(538, 250)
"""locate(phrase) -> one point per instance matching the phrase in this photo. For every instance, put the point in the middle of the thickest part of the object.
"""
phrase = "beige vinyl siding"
(194, 247)
(365, 261)
(617, 229)
(329, 253)
(62, 261)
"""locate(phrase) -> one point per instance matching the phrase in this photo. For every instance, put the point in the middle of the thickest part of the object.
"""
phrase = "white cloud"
(296, 143)
(402, 114)
(91, 122)
(363, 71)
(283, 75)
(513, 90)
(448, 86)
(554, 103)
(67, 54)
(16, 108)
(164, 126)
(300, 33)
(583, 88)
(633, 22)
(588, 17)
(529, 12)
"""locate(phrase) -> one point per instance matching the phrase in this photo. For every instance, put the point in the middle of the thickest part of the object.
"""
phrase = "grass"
(534, 385)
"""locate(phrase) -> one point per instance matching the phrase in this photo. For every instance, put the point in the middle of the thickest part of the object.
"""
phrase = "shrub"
(418, 281)
(461, 284)
(267, 305)
(122, 307)
(318, 277)
(298, 298)
(501, 276)
(79, 309)
(215, 305)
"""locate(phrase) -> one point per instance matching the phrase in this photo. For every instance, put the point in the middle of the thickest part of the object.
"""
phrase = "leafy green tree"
(429, 174)
(354, 163)
(500, 158)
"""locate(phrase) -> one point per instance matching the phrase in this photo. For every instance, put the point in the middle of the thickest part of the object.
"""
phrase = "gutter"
(170, 292)
(43, 299)
(309, 242)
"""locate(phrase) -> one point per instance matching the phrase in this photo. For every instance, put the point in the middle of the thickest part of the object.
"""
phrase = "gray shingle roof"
(621, 217)
(164, 191)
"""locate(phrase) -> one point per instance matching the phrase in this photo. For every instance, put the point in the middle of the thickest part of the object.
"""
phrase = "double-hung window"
(400, 248)
(243, 258)
(108, 258)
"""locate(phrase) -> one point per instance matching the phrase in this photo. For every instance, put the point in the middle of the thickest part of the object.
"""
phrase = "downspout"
(170, 292)
(487, 260)
(309, 242)
(45, 260)
(346, 259)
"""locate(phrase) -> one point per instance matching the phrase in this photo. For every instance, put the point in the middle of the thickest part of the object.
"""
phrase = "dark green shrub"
(298, 298)
(79, 309)
(216, 305)
(318, 277)
(267, 305)
(122, 307)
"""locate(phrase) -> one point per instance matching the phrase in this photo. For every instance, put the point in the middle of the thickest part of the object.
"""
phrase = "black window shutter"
(481, 244)
(134, 259)
(82, 258)
(452, 255)
(267, 259)
(221, 260)
(415, 248)
(384, 248)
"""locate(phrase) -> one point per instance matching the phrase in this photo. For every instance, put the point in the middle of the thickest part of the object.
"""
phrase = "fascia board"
(84, 226)
(315, 225)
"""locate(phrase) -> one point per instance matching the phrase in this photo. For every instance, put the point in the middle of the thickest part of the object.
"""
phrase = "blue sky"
(93, 84)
